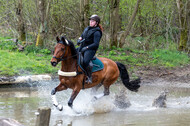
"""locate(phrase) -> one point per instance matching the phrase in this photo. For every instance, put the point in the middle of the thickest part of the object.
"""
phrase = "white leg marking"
(54, 100)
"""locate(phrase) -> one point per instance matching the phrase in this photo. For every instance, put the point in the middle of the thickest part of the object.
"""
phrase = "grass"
(17, 63)
(168, 58)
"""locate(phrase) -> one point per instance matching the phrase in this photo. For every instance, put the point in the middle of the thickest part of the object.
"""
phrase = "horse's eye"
(62, 48)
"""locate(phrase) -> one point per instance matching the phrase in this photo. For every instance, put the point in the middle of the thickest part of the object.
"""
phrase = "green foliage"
(112, 52)
(169, 58)
(45, 51)
(8, 44)
(150, 43)
(34, 49)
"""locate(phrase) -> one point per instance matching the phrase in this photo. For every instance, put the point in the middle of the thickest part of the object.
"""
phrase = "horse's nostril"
(53, 63)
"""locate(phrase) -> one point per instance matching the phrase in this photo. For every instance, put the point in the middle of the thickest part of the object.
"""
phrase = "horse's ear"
(57, 38)
(64, 40)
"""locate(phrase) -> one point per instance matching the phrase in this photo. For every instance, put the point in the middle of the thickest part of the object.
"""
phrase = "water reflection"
(21, 102)
(18, 102)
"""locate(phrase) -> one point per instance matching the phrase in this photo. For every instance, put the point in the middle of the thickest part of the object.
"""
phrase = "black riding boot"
(89, 74)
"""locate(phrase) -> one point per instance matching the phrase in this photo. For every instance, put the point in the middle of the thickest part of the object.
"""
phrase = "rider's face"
(93, 23)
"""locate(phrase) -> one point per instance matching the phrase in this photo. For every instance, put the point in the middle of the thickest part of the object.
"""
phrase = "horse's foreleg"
(73, 96)
(60, 87)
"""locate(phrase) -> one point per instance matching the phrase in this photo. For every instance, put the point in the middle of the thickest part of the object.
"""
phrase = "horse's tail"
(131, 85)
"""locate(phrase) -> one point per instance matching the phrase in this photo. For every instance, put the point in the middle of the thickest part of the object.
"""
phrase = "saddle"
(96, 63)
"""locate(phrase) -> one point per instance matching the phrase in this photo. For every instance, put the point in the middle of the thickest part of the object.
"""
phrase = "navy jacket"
(92, 36)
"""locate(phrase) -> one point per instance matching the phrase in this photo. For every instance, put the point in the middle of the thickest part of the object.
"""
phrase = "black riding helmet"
(95, 17)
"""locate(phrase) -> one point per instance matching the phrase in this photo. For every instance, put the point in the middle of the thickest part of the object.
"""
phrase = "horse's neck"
(69, 65)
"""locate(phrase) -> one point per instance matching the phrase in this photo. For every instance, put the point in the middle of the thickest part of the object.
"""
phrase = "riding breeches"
(88, 55)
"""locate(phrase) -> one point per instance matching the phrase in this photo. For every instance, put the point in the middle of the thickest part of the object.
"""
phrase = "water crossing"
(20, 102)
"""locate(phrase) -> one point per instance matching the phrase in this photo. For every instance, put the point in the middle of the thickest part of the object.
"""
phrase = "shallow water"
(21, 102)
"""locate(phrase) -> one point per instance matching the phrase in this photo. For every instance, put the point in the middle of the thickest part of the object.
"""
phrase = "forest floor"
(179, 76)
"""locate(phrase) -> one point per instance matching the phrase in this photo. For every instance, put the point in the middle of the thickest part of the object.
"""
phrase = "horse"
(72, 76)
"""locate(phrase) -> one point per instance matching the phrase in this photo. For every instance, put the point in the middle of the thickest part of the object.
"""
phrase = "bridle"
(78, 60)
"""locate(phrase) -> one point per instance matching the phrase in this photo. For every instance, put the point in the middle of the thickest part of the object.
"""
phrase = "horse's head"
(61, 51)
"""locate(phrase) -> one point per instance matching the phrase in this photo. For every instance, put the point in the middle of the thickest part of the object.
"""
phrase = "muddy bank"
(172, 76)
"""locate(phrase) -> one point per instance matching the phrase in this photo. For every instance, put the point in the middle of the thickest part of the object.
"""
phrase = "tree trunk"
(114, 16)
(84, 12)
(21, 26)
(44, 7)
(129, 26)
(188, 26)
(183, 25)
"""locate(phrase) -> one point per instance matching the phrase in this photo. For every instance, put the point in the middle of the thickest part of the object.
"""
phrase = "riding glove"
(78, 42)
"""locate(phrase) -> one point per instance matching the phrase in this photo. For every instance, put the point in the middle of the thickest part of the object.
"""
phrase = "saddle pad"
(97, 65)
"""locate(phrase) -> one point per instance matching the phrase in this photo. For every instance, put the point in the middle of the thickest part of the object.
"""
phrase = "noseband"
(61, 58)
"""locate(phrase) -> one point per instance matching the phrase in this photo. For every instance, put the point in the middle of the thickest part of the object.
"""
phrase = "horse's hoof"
(53, 92)
(70, 104)
(94, 99)
(60, 107)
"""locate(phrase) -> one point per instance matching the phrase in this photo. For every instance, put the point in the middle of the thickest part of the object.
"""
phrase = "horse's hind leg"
(94, 89)
(106, 90)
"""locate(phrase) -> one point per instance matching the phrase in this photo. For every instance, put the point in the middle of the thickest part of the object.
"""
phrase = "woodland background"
(145, 24)
(139, 33)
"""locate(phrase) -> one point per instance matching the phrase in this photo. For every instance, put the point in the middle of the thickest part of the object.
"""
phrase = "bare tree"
(114, 16)
(188, 25)
(44, 6)
(129, 26)
(20, 22)
(183, 15)
(84, 12)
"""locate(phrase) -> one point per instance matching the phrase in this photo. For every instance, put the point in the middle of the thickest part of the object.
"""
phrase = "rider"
(91, 36)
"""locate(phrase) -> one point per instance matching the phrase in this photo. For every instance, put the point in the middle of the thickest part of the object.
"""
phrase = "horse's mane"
(72, 47)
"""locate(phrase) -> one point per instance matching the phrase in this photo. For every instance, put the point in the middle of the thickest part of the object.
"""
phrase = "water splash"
(84, 105)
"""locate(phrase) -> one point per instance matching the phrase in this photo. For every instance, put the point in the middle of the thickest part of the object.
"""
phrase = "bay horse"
(73, 77)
